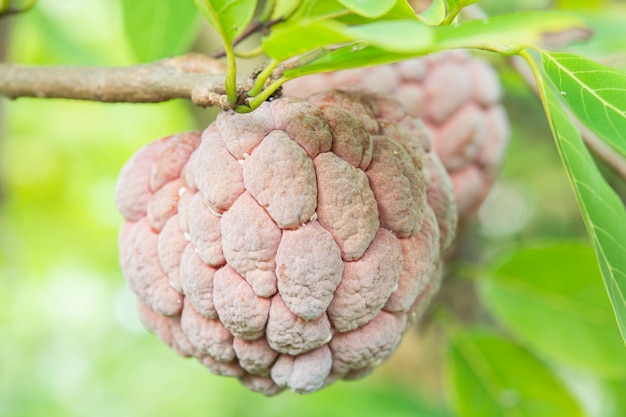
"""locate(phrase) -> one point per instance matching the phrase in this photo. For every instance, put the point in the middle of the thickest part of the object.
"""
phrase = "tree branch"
(192, 76)
(255, 26)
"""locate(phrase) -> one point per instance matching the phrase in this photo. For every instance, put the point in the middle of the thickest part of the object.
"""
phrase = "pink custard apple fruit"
(457, 96)
(291, 246)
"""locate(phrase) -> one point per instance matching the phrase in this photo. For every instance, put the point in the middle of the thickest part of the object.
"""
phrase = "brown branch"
(10, 12)
(254, 27)
(249, 31)
(193, 76)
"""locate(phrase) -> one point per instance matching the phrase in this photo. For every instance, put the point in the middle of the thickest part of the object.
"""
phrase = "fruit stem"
(262, 78)
(257, 100)
(231, 73)
(452, 14)
(230, 84)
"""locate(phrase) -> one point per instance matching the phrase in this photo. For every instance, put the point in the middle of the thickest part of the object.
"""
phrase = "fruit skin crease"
(292, 246)
(458, 97)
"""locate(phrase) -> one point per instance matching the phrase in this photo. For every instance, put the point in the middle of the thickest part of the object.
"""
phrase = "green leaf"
(364, 53)
(369, 8)
(385, 35)
(459, 3)
(387, 41)
(595, 93)
(228, 17)
(455, 7)
(279, 9)
(601, 208)
(351, 56)
(311, 10)
(552, 298)
(401, 10)
(581, 4)
(506, 34)
(158, 29)
(491, 376)
(318, 9)
(613, 398)
(602, 397)
(435, 13)
(289, 40)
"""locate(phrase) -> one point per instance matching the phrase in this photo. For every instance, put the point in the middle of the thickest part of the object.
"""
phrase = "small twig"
(194, 77)
(9, 12)
(262, 77)
(254, 27)
(449, 18)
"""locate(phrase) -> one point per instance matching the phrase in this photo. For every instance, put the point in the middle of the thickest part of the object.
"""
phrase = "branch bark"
(193, 76)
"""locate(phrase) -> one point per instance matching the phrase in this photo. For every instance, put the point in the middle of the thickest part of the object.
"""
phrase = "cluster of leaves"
(320, 36)
(557, 318)
(561, 317)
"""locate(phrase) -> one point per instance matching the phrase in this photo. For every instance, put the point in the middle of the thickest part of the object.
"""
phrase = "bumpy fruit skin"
(289, 247)
(457, 96)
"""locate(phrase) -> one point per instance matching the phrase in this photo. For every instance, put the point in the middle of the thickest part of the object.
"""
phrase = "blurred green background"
(70, 340)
